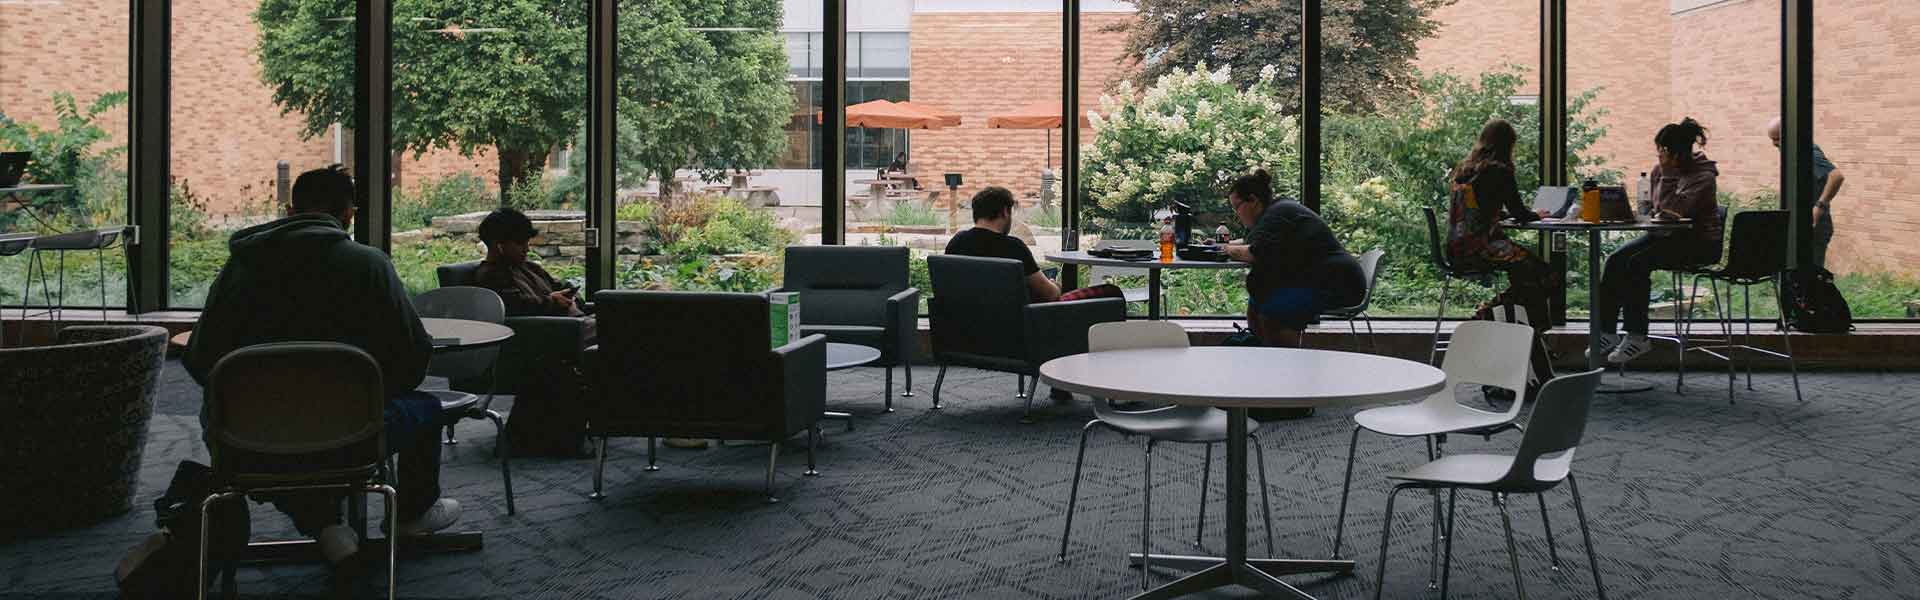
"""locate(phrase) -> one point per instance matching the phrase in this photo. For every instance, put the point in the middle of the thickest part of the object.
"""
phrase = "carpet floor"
(1689, 497)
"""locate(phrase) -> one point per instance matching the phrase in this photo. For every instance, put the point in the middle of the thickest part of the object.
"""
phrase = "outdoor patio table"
(1236, 379)
(1153, 267)
(1595, 359)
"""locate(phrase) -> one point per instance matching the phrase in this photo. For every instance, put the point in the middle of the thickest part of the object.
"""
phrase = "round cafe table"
(1152, 265)
(1595, 358)
(1237, 379)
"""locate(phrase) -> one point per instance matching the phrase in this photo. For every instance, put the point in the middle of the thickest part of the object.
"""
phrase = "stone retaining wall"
(563, 233)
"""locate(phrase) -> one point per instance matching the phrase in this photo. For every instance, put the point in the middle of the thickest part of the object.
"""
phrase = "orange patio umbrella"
(947, 118)
(883, 114)
(1038, 115)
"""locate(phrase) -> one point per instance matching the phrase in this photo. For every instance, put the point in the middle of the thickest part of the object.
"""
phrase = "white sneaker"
(338, 543)
(443, 514)
(1608, 341)
(1635, 346)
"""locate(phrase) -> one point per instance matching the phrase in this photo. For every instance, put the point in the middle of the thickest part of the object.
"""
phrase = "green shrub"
(638, 212)
(914, 214)
(439, 197)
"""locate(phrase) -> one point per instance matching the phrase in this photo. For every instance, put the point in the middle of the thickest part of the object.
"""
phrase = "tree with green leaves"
(504, 75)
(1368, 46)
(702, 85)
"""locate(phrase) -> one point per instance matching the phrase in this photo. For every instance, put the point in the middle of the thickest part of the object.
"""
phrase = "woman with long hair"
(1684, 187)
(1299, 268)
(1483, 187)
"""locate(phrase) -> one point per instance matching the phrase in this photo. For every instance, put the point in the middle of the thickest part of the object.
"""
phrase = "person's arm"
(402, 347)
(519, 301)
(213, 333)
(562, 301)
(1834, 181)
(1240, 252)
(1690, 195)
(1041, 288)
(1501, 188)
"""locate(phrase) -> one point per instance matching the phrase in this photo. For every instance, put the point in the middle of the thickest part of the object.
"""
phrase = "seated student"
(1299, 269)
(301, 278)
(1483, 186)
(992, 219)
(527, 289)
(1684, 186)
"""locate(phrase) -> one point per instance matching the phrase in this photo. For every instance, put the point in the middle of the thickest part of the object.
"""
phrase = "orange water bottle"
(1590, 201)
(1167, 251)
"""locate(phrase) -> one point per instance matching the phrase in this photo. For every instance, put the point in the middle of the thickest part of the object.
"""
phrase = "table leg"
(1153, 294)
(1235, 568)
(1596, 359)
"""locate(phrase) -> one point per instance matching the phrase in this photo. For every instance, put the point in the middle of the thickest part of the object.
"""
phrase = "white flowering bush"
(1186, 138)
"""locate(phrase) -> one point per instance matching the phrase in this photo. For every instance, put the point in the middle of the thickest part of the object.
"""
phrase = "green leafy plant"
(76, 151)
(439, 197)
(914, 214)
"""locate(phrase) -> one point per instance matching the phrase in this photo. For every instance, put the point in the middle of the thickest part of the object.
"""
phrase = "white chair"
(472, 304)
(1543, 460)
(1370, 267)
(1180, 424)
(1484, 353)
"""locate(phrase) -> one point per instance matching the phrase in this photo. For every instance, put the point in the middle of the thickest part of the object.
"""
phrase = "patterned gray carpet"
(1689, 498)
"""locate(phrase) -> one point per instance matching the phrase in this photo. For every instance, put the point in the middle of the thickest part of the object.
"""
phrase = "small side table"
(847, 356)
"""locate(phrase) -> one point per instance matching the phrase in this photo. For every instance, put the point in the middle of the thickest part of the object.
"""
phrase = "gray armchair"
(982, 318)
(539, 344)
(687, 364)
(858, 295)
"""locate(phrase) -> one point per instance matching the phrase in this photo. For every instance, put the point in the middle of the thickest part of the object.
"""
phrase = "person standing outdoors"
(1827, 178)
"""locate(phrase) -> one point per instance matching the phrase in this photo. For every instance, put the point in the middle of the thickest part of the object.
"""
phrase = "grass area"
(914, 214)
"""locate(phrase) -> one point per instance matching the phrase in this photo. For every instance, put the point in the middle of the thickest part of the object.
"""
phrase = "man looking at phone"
(527, 289)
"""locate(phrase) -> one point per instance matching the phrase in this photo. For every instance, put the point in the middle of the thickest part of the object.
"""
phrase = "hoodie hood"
(1702, 166)
(297, 234)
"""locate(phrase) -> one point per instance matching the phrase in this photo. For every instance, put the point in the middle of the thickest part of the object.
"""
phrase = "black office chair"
(1436, 251)
(1756, 254)
(981, 317)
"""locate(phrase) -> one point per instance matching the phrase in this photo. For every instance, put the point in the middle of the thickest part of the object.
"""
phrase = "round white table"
(1238, 379)
(1153, 267)
(1595, 358)
(462, 334)
(847, 356)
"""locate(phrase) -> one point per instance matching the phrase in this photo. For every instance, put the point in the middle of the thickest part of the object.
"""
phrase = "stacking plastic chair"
(1544, 459)
(1436, 240)
(297, 417)
(1484, 353)
(472, 304)
(1756, 254)
(1370, 266)
(1683, 313)
(1180, 424)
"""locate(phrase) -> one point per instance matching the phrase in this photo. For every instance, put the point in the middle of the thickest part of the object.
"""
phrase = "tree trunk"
(667, 184)
(513, 170)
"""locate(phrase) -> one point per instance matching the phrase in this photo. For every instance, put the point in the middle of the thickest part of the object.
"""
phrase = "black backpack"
(1813, 304)
(162, 566)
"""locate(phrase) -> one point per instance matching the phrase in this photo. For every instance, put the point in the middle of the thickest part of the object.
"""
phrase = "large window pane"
(1187, 100)
(485, 96)
(1717, 62)
(1864, 121)
(63, 98)
(715, 150)
(261, 93)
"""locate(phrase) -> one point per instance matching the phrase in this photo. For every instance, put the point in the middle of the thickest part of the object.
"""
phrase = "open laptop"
(1556, 200)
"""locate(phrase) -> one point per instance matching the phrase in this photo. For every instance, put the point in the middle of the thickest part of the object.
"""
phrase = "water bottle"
(1643, 195)
(1166, 241)
(1590, 201)
(1221, 235)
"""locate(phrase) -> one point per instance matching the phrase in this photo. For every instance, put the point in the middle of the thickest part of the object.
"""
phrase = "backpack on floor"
(1813, 304)
(549, 419)
(162, 565)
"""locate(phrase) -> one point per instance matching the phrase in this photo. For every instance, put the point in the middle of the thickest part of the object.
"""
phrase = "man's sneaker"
(1608, 342)
(1631, 349)
(443, 514)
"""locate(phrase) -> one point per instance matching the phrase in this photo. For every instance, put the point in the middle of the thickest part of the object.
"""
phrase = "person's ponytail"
(1680, 138)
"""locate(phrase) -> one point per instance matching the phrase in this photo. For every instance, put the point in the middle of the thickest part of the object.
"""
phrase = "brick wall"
(985, 64)
(1867, 119)
(77, 47)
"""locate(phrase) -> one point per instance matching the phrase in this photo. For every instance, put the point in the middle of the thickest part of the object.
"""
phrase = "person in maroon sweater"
(1684, 186)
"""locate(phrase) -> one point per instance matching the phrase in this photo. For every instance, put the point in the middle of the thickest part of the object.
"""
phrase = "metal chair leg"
(1346, 485)
(1446, 555)
(886, 394)
(1354, 329)
(1746, 306)
(1593, 560)
(1373, 344)
(1033, 385)
(200, 570)
(1266, 506)
(906, 364)
(1513, 551)
(1206, 471)
(1146, 517)
(1386, 534)
(1433, 354)
(1433, 549)
(599, 470)
(813, 439)
(1786, 340)
(1553, 552)
(1680, 314)
(652, 454)
(500, 447)
(1073, 493)
(937, 380)
(391, 500)
(773, 458)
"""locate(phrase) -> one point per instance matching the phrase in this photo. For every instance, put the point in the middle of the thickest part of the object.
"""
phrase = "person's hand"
(1818, 213)
(562, 299)
(1543, 213)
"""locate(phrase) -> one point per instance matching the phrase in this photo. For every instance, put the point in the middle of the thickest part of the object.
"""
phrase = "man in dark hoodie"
(1684, 187)
(301, 278)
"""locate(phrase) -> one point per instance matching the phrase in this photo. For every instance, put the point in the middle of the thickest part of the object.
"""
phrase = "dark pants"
(413, 423)
(1626, 284)
(1822, 236)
